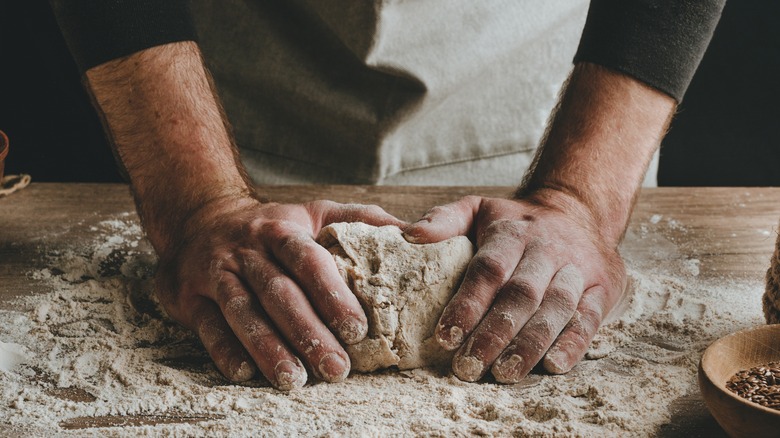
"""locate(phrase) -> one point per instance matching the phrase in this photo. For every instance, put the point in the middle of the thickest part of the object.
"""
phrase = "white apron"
(426, 92)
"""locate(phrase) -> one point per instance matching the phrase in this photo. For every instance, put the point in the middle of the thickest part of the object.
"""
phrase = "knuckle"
(221, 261)
(231, 298)
(176, 297)
(513, 228)
(467, 311)
(471, 200)
(260, 334)
(537, 336)
(275, 229)
(376, 211)
(299, 250)
(253, 325)
(563, 300)
(221, 352)
(296, 243)
(520, 290)
(534, 344)
(579, 331)
(489, 265)
(275, 289)
(214, 333)
(498, 226)
(253, 228)
(324, 204)
(353, 212)
(591, 314)
(495, 337)
(234, 303)
(251, 261)
(435, 211)
(570, 277)
(323, 208)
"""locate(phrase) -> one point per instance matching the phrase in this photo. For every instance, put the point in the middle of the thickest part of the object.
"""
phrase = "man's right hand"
(246, 276)
(257, 289)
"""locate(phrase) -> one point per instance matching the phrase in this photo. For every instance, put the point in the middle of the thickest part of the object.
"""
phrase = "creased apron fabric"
(429, 92)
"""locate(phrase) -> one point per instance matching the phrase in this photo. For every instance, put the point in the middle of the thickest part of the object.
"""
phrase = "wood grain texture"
(730, 230)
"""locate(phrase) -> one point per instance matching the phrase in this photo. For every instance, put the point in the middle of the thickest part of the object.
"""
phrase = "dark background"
(725, 134)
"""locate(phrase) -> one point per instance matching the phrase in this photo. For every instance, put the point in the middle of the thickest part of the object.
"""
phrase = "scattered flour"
(691, 267)
(102, 355)
(11, 355)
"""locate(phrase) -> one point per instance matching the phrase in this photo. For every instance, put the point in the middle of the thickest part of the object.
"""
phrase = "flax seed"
(759, 384)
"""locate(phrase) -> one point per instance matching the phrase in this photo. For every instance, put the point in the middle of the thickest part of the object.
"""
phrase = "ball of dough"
(403, 288)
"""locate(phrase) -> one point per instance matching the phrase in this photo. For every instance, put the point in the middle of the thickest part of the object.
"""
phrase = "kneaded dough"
(403, 288)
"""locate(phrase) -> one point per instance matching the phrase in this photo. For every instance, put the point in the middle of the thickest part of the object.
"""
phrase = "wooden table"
(720, 230)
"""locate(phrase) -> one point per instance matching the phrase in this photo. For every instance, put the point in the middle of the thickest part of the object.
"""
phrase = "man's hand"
(547, 270)
(538, 287)
(245, 275)
(251, 281)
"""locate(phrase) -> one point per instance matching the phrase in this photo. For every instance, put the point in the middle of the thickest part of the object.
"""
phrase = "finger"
(332, 212)
(515, 304)
(315, 271)
(572, 344)
(534, 339)
(487, 272)
(291, 313)
(444, 221)
(225, 350)
(252, 327)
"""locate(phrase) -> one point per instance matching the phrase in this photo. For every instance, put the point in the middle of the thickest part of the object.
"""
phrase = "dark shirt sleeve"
(98, 31)
(659, 42)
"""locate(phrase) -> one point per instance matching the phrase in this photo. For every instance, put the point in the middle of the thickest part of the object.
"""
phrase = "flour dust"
(97, 356)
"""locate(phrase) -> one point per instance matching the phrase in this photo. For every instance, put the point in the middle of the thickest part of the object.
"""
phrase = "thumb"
(444, 221)
(371, 214)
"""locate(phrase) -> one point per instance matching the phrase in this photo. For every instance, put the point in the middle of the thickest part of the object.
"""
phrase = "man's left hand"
(538, 288)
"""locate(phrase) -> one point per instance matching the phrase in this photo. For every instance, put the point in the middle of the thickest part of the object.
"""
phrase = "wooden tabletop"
(721, 225)
(730, 230)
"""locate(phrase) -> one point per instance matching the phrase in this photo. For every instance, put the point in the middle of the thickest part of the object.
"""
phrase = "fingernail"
(352, 330)
(555, 362)
(243, 372)
(333, 368)
(468, 368)
(449, 339)
(426, 218)
(508, 369)
(289, 375)
(411, 239)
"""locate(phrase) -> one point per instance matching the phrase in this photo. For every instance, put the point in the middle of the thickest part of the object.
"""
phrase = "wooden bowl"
(739, 351)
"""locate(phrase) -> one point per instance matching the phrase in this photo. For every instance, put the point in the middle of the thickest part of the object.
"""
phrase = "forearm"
(600, 140)
(247, 276)
(167, 129)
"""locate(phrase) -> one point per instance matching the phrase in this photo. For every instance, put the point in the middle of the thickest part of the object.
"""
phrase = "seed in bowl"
(760, 384)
